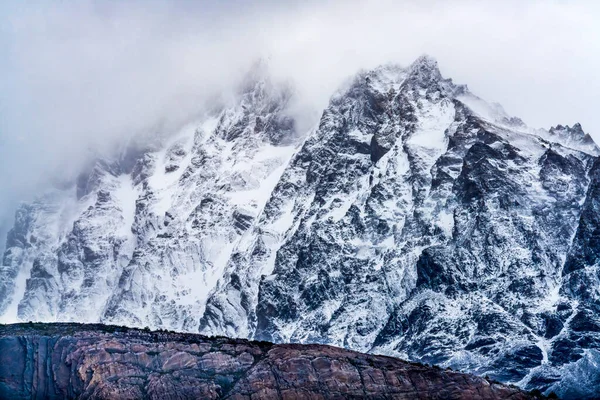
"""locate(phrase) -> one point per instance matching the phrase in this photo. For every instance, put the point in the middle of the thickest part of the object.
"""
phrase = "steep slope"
(421, 222)
(38, 230)
(415, 220)
(60, 361)
(154, 229)
(200, 196)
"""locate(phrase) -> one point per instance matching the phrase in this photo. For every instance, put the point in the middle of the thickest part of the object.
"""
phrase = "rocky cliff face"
(415, 220)
(65, 361)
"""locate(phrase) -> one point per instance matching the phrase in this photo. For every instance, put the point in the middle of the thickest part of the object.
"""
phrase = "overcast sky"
(78, 76)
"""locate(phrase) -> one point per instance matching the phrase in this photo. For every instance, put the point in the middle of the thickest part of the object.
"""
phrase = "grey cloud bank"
(78, 79)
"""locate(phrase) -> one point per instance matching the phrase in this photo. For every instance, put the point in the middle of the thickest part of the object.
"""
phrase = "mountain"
(416, 220)
(64, 361)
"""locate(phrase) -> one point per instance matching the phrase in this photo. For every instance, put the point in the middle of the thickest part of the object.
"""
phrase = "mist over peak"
(80, 80)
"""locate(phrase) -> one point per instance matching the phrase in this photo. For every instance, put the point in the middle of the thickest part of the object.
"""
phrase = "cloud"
(78, 78)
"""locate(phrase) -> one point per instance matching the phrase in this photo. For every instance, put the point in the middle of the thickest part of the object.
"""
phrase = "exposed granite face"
(57, 361)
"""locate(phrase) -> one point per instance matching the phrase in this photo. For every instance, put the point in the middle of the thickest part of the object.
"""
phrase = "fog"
(79, 78)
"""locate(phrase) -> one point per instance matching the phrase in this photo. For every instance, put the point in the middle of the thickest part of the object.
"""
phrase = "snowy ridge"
(416, 220)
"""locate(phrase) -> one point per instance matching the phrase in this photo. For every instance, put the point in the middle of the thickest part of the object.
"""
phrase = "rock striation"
(67, 361)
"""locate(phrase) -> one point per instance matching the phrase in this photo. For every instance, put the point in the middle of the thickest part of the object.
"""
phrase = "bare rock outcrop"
(59, 361)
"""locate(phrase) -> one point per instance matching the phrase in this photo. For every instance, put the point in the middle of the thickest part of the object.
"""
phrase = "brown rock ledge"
(59, 361)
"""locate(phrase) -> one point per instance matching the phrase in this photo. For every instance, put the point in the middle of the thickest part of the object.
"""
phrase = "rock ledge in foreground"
(57, 361)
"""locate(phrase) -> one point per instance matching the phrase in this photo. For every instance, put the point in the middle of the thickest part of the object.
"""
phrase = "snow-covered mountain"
(415, 220)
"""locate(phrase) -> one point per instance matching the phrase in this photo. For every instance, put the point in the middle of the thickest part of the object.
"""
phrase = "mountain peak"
(425, 69)
(257, 76)
(574, 137)
(425, 60)
(392, 224)
(576, 130)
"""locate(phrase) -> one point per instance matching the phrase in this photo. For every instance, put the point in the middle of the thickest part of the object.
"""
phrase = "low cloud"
(79, 78)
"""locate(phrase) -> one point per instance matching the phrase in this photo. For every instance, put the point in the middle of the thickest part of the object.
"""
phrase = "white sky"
(77, 77)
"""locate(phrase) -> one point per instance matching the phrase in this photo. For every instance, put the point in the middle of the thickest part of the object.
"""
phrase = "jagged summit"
(574, 137)
(425, 61)
(425, 70)
(416, 220)
(576, 130)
